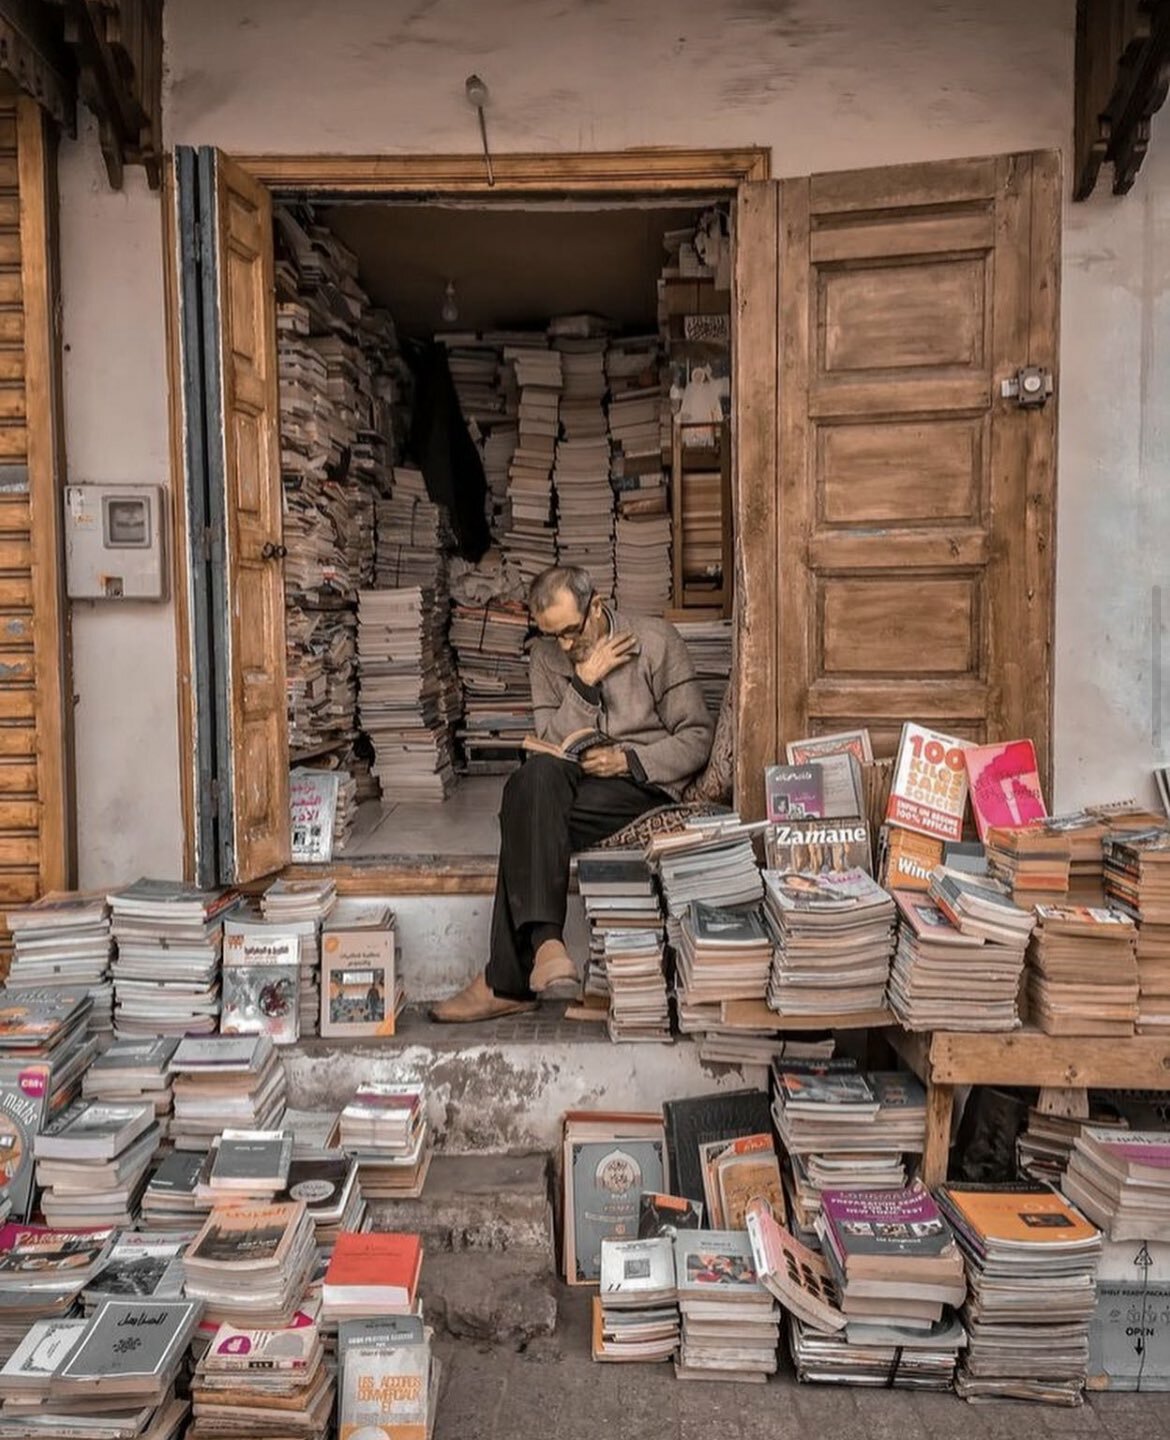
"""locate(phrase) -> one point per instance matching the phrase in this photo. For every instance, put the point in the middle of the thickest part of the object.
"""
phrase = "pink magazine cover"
(1005, 785)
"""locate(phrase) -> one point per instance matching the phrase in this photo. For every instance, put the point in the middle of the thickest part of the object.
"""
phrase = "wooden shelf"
(755, 1015)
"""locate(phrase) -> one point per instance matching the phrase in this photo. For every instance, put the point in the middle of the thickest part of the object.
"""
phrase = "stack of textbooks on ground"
(892, 1255)
(584, 496)
(1137, 882)
(1045, 1146)
(723, 954)
(247, 1167)
(942, 979)
(42, 1025)
(262, 1383)
(166, 975)
(730, 1321)
(250, 1264)
(63, 940)
(384, 1128)
(92, 1163)
(834, 936)
(1082, 971)
(388, 1380)
(302, 907)
(1121, 1180)
(170, 1201)
(135, 1072)
(1031, 1263)
(844, 1129)
(709, 859)
(408, 691)
(639, 1006)
(635, 1316)
(530, 543)
(141, 1265)
(620, 902)
(115, 1377)
(330, 1188)
(1032, 862)
(225, 1081)
(369, 1274)
(42, 1274)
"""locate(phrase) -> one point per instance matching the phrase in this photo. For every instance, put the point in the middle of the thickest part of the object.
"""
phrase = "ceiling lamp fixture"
(477, 96)
(450, 310)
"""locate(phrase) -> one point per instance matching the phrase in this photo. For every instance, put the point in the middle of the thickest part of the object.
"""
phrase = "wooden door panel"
(914, 524)
(256, 839)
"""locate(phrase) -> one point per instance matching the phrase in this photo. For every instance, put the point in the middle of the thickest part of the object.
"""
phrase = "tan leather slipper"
(477, 1001)
(554, 976)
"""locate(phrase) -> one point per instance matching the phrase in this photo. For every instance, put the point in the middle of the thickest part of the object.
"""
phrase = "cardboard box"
(1129, 1335)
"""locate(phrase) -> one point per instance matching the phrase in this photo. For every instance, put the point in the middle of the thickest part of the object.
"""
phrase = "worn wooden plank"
(10, 288)
(405, 875)
(16, 591)
(756, 1015)
(18, 887)
(14, 515)
(889, 237)
(17, 704)
(17, 667)
(15, 552)
(1028, 1057)
(19, 850)
(13, 441)
(940, 395)
(18, 740)
(887, 548)
(754, 372)
(898, 698)
(17, 777)
(38, 194)
(11, 325)
(936, 1151)
(12, 362)
(943, 182)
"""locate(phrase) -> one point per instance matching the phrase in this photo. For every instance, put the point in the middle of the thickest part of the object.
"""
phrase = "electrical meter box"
(114, 542)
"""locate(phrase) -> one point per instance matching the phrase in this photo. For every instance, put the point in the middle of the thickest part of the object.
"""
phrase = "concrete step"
(502, 1087)
(443, 940)
(480, 1203)
(505, 1297)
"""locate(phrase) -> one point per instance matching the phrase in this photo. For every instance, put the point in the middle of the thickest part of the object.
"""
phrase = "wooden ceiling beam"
(1122, 79)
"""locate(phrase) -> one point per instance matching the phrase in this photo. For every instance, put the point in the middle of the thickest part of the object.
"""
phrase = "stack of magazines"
(64, 941)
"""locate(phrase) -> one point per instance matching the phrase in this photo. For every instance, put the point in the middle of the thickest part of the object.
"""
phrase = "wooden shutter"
(232, 591)
(36, 832)
(915, 501)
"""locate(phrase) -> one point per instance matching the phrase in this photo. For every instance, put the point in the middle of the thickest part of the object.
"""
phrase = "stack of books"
(262, 982)
(166, 975)
(488, 640)
(135, 1072)
(225, 1081)
(127, 1389)
(723, 954)
(1083, 971)
(942, 979)
(635, 971)
(42, 1274)
(45, 1026)
(708, 643)
(388, 1379)
(843, 1129)
(1045, 1146)
(250, 1264)
(261, 1383)
(64, 941)
(530, 544)
(407, 691)
(302, 907)
(584, 496)
(413, 535)
(834, 936)
(642, 562)
(248, 1167)
(330, 1188)
(372, 1274)
(635, 1317)
(710, 859)
(619, 895)
(1121, 1180)
(730, 1322)
(170, 1201)
(93, 1163)
(1137, 882)
(979, 906)
(1031, 1264)
(1032, 862)
(141, 1265)
(361, 990)
(892, 1255)
(738, 1173)
(643, 532)
(385, 1129)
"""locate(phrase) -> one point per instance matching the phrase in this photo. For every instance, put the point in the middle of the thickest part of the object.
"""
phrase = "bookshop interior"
(468, 394)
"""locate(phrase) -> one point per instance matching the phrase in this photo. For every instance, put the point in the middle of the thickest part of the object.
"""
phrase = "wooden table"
(1025, 1057)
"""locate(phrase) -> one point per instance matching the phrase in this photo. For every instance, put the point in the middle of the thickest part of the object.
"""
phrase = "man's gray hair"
(549, 583)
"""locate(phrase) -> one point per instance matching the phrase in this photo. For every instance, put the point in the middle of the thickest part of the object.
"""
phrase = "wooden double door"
(894, 503)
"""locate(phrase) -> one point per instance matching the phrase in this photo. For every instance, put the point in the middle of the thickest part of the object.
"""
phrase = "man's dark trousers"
(550, 809)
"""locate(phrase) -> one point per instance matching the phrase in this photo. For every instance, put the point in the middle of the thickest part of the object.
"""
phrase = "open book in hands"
(572, 747)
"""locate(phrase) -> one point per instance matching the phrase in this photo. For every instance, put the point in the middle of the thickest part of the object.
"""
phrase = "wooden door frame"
(544, 175)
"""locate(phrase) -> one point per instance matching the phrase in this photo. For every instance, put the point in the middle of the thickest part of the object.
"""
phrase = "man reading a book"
(621, 690)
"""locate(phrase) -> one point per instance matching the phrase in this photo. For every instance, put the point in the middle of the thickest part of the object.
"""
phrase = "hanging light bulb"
(450, 310)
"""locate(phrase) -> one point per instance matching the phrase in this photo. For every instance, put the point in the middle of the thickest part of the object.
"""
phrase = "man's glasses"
(570, 632)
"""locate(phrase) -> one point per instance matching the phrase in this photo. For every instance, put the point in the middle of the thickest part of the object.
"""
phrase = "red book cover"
(1005, 785)
(378, 1259)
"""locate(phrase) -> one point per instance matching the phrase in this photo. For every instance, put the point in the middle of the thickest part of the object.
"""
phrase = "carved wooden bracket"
(1122, 77)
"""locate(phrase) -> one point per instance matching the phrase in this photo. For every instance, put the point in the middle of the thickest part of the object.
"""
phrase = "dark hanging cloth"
(444, 451)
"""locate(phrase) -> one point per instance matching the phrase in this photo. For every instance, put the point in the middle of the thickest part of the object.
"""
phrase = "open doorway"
(468, 392)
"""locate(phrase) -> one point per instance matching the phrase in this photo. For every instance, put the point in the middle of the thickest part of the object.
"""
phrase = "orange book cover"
(379, 1258)
(1031, 1217)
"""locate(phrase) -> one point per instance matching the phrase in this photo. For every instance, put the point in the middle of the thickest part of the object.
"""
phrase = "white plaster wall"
(827, 84)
